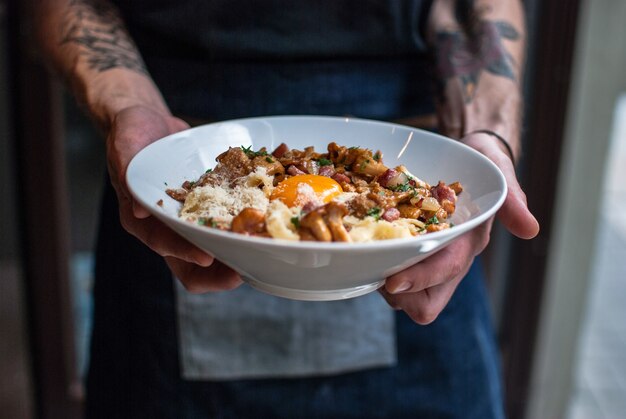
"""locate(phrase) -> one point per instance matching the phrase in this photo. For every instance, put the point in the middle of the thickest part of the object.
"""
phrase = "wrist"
(502, 142)
(109, 93)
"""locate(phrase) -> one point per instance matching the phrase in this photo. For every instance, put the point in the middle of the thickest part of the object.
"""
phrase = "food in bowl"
(345, 194)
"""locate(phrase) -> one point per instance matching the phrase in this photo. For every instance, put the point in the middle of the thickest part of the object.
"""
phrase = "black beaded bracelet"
(498, 137)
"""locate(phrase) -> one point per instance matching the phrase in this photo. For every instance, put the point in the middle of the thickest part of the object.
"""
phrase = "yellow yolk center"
(292, 194)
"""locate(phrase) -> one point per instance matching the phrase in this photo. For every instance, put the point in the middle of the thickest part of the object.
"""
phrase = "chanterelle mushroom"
(335, 213)
(249, 221)
(314, 222)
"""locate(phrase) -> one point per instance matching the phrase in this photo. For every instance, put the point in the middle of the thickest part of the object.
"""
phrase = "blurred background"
(558, 299)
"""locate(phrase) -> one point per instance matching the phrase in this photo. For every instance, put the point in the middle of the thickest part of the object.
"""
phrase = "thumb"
(514, 214)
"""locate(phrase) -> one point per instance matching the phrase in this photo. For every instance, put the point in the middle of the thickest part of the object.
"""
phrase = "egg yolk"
(288, 191)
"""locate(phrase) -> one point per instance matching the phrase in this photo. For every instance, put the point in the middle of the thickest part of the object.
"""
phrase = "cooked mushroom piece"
(306, 235)
(315, 222)
(249, 221)
(335, 213)
(366, 165)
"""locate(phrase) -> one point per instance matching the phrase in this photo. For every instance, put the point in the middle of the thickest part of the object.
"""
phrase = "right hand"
(132, 129)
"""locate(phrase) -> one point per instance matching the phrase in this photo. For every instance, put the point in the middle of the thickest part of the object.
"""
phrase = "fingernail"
(204, 261)
(401, 288)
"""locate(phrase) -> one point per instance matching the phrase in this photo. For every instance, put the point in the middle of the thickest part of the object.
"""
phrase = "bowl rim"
(332, 246)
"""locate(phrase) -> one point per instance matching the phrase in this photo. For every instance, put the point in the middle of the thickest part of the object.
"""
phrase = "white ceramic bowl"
(311, 270)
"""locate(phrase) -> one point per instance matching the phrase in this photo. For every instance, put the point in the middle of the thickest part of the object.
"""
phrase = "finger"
(129, 149)
(424, 307)
(431, 271)
(124, 197)
(514, 214)
(161, 239)
(138, 210)
(198, 280)
(442, 266)
(177, 124)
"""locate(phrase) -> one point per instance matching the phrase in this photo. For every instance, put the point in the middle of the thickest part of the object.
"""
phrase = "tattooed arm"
(479, 52)
(88, 44)
(478, 49)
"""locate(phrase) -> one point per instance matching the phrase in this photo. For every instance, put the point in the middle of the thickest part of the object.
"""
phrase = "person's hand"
(423, 290)
(133, 129)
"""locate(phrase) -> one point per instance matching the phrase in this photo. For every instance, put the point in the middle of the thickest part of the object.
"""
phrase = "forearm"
(479, 54)
(88, 44)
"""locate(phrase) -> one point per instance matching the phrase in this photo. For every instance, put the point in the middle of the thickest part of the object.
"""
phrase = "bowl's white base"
(314, 295)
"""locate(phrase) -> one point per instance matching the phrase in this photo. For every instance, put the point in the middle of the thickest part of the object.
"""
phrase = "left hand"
(424, 289)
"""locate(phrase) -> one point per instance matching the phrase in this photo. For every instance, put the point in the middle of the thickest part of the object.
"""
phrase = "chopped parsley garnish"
(209, 222)
(363, 164)
(324, 162)
(354, 147)
(251, 153)
(377, 156)
(432, 220)
(401, 188)
(374, 212)
(269, 159)
(209, 170)
(295, 221)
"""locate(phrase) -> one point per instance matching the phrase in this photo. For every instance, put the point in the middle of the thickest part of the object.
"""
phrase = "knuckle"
(124, 223)
(230, 284)
(127, 225)
(194, 287)
(151, 240)
(456, 268)
(425, 316)
(484, 242)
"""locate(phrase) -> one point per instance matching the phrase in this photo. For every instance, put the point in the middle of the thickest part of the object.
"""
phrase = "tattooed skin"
(95, 25)
(459, 55)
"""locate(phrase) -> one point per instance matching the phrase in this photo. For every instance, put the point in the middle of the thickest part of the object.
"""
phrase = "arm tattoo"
(466, 54)
(97, 28)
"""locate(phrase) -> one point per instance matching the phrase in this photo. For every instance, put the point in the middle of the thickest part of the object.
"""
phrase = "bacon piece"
(327, 171)
(391, 214)
(294, 171)
(280, 150)
(392, 178)
(341, 178)
(443, 192)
